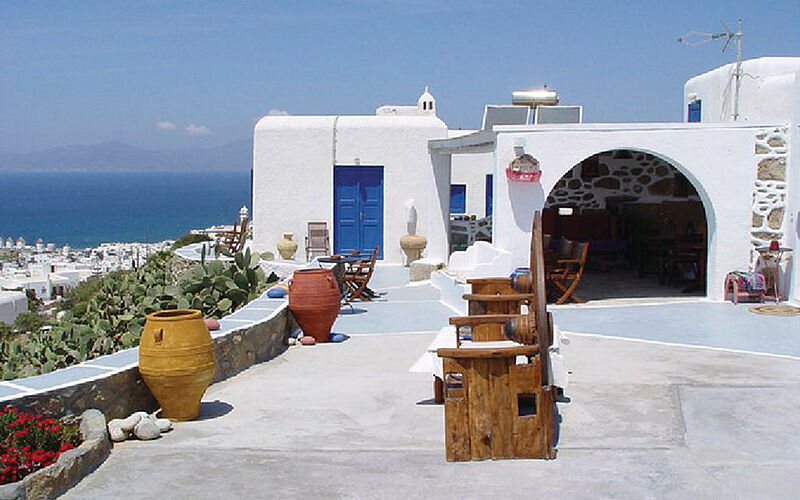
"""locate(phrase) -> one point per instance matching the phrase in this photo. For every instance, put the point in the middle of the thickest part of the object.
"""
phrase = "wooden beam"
(487, 352)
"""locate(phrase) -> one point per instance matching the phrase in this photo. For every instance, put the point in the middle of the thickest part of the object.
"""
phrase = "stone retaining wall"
(72, 466)
(120, 393)
(249, 345)
(179, 266)
(117, 395)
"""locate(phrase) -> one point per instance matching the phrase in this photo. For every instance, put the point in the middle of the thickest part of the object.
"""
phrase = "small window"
(526, 405)
(458, 198)
(695, 109)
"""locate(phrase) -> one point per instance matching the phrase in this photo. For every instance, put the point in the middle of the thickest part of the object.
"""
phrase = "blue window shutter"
(458, 198)
(693, 116)
(489, 194)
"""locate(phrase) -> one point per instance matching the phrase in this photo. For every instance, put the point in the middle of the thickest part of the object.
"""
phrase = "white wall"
(293, 162)
(718, 160)
(471, 170)
(768, 91)
(12, 304)
(791, 221)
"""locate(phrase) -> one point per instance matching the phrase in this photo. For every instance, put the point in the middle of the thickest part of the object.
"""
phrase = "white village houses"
(725, 182)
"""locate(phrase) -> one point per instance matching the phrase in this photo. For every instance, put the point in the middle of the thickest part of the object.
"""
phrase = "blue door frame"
(358, 209)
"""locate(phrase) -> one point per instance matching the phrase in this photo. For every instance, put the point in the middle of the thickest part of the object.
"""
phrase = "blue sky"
(83, 72)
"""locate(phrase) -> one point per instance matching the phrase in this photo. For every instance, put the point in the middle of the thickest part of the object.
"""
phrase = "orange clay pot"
(176, 360)
(314, 301)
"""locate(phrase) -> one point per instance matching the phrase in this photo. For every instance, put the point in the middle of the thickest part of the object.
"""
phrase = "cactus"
(111, 315)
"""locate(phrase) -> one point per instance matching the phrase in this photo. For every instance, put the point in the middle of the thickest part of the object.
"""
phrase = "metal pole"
(738, 74)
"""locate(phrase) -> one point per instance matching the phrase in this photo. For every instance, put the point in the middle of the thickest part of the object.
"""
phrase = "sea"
(84, 209)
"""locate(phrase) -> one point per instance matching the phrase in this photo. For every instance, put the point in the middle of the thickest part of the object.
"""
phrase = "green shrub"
(28, 322)
(6, 331)
(188, 239)
(108, 314)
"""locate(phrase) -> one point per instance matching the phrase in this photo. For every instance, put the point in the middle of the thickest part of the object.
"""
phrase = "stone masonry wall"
(638, 177)
(121, 393)
(769, 192)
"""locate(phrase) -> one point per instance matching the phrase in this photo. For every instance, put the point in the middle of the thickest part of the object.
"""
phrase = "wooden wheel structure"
(496, 407)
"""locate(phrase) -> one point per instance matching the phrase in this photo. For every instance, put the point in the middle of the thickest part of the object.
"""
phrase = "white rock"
(146, 429)
(129, 423)
(291, 341)
(115, 431)
(164, 424)
(118, 435)
(142, 414)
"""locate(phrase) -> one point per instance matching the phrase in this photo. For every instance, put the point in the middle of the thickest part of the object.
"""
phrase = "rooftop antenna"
(694, 38)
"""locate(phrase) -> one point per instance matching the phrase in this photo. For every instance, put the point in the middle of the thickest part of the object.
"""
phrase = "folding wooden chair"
(357, 278)
(566, 278)
(317, 240)
(234, 240)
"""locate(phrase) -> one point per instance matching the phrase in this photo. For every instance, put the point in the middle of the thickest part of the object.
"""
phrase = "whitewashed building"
(727, 181)
(740, 171)
(12, 304)
(354, 172)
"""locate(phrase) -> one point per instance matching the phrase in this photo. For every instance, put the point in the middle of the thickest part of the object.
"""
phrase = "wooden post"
(539, 303)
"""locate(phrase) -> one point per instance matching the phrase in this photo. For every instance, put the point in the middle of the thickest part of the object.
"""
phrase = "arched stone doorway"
(646, 223)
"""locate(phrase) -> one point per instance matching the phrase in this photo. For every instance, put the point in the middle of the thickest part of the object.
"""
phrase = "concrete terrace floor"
(702, 323)
(348, 420)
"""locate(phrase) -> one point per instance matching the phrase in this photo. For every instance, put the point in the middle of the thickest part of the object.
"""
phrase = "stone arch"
(706, 200)
(705, 197)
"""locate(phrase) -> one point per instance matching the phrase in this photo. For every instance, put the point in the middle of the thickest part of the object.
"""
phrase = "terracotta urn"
(176, 361)
(314, 301)
(413, 245)
(287, 246)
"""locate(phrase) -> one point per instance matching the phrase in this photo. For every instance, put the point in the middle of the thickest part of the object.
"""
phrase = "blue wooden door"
(358, 209)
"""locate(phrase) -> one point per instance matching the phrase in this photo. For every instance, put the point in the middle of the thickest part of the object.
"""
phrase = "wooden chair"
(566, 278)
(317, 240)
(552, 256)
(233, 241)
(357, 277)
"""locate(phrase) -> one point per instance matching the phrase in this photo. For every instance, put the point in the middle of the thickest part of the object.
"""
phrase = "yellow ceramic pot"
(176, 360)
(413, 245)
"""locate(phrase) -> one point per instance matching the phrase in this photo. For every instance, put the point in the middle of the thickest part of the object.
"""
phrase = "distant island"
(120, 157)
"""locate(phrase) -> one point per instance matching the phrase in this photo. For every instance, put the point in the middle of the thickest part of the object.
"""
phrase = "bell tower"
(426, 104)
